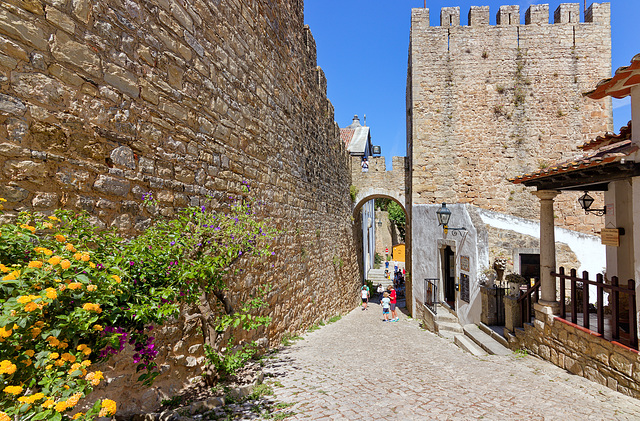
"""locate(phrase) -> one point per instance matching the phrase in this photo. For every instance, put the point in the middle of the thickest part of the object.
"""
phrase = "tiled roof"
(346, 135)
(619, 86)
(610, 153)
(608, 139)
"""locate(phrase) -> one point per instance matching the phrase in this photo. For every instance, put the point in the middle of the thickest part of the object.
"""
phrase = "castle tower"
(486, 102)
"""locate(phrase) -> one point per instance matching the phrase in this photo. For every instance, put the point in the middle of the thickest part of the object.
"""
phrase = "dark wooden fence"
(581, 285)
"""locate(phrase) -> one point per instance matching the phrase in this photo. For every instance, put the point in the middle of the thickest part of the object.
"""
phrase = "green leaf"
(56, 416)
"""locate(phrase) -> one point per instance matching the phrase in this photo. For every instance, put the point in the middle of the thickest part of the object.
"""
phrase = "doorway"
(449, 276)
(530, 265)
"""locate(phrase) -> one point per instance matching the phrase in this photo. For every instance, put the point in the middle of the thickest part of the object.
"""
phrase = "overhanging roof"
(619, 86)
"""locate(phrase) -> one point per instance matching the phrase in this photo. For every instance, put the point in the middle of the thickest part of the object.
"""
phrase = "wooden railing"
(526, 298)
(614, 289)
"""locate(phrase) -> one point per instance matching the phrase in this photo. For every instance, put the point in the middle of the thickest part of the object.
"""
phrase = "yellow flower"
(4, 269)
(59, 363)
(60, 238)
(31, 307)
(53, 341)
(38, 396)
(73, 400)
(116, 278)
(81, 347)
(86, 257)
(97, 327)
(86, 363)
(35, 264)
(30, 352)
(28, 227)
(4, 332)
(48, 403)
(7, 367)
(92, 307)
(77, 256)
(63, 345)
(54, 218)
(51, 293)
(86, 351)
(68, 357)
(4, 416)
(35, 332)
(65, 264)
(108, 408)
(94, 377)
(92, 287)
(92, 265)
(53, 355)
(47, 225)
(76, 416)
(13, 390)
(49, 367)
(61, 406)
(54, 260)
(70, 247)
(10, 277)
(75, 285)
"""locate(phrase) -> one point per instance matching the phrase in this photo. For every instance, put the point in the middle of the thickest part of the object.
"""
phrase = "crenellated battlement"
(536, 14)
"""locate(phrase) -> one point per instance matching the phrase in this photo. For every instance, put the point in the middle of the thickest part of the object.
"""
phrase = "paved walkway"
(362, 368)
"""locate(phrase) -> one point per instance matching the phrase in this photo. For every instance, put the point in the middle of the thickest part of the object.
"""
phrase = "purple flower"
(202, 208)
(173, 243)
(131, 263)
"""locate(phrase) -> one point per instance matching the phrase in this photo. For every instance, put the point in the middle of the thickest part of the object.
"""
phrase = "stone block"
(65, 75)
(23, 30)
(567, 13)
(13, 50)
(537, 14)
(621, 364)
(123, 156)
(450, 16)
(13, 193)
(26, 170)
(60, 20)
(82, 10)
(64, 49)
(598, 13)
(44, 200)
(112, 185)
(479, 15)
(11, 105)
(508, 15)
(122, 79)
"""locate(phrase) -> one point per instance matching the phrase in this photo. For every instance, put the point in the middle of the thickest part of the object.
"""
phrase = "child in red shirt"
(392, 296)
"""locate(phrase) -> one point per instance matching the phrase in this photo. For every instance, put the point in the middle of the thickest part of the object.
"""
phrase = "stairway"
(377, 277)
(477, 340)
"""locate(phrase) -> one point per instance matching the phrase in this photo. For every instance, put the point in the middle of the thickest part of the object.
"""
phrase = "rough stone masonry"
(104, 100)
(488, 102)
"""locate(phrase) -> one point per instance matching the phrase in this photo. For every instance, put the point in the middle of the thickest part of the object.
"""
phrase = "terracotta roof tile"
(613, 152)
(619, 86)
(608, 139)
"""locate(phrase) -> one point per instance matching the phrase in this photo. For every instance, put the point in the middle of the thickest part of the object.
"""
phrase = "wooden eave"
(593, 176)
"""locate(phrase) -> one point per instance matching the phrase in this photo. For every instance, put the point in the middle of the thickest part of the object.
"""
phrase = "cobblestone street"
(362, 368)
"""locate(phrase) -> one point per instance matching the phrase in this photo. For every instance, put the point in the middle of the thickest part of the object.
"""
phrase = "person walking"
(392, 302)
(385, 307)
(364, 294)
(380, 290)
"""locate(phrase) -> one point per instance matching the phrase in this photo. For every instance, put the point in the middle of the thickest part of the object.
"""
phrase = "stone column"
(547, 250)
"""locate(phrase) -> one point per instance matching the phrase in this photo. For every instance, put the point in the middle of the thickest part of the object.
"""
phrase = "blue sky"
(362, 48)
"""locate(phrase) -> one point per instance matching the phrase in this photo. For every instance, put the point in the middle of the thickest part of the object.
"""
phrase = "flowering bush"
(72, 295)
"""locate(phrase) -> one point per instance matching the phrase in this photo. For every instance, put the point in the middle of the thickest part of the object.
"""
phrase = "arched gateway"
(376, 182)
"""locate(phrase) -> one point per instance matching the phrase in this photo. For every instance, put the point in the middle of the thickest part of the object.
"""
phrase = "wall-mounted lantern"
(444, 214)
(585, 203)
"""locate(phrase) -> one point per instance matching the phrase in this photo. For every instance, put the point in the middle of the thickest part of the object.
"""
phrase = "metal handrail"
(431, 294)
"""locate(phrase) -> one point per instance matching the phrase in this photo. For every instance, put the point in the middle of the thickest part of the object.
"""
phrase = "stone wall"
(102, 100)
(581, 352)
(489, 102)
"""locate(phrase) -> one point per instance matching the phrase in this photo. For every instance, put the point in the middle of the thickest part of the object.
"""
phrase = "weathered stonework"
(102, 101)
(581, 352)
(489, 102)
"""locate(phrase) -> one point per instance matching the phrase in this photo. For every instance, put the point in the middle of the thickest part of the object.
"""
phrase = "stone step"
(485, 341)
(468, 345)
(449, 326)
(495, 335)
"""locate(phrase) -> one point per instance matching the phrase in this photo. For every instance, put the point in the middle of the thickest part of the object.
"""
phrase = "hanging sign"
(386, 250)
(610, 237)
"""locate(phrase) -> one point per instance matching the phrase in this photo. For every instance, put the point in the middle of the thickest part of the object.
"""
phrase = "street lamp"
(585, 203)
(444, 214)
